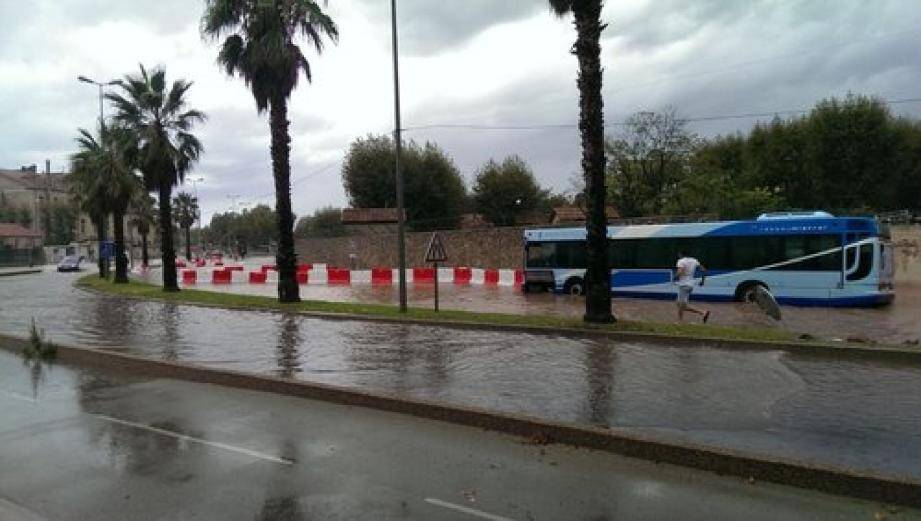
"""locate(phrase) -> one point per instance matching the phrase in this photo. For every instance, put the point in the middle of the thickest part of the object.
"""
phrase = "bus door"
(859, 259)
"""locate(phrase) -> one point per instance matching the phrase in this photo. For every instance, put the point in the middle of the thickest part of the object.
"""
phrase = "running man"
(687, 266)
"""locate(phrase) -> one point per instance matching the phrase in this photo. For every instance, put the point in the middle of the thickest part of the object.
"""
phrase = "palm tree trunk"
(121, 263)
(591, 125)
(286, 260)
(167, 250)
(101, 239)
(188, 243)
(144, 257)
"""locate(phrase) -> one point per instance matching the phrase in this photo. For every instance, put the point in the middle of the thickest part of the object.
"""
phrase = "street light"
(195, 181)
(101, 86)
(401, 225)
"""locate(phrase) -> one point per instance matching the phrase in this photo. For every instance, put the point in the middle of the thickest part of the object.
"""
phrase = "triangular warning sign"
(436, 251)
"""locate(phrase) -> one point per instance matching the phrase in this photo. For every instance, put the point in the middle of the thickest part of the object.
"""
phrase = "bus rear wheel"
(575, 287)
(747, 290)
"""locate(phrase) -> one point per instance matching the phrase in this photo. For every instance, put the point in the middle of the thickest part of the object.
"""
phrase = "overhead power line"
(722, 117)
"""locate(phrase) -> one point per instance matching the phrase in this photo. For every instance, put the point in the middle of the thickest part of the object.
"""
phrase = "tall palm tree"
(260, 47)
(166, 148)
(143, 218)
(186, 208)
(104, 171)
(587, 48)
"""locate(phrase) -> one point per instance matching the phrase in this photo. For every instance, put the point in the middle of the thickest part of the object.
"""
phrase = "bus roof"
(792, 224)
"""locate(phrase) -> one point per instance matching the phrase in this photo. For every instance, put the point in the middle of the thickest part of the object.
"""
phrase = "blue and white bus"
(802, 258)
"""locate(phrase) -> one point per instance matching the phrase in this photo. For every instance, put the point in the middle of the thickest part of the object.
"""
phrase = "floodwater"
(893, 324)
(862, 414)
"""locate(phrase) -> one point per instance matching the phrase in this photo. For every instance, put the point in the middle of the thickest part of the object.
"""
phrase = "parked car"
(70, 263)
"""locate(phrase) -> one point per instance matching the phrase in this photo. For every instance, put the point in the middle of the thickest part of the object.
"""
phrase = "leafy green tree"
(143, 216)
(61, 220)
(587, 48)
(504, 191)
(325, 222)
(435, 195)
(647, 160)
(260, 47)
(253, 227)
(166, 149)
(186, 213)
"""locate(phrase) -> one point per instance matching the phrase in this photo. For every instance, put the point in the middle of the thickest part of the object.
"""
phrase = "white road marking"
(467, 510)
(164, 432)
(18, 396)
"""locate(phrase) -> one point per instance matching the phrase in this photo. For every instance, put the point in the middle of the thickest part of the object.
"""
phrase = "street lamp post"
(104, 262)
(195, 181)
(401, 225)
(101, 86)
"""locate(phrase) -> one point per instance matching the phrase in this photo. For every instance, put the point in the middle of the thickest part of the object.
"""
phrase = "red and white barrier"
(320, 274)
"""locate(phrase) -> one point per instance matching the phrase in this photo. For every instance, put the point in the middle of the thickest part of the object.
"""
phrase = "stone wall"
(907, 241)
(503, 248)
(484, 248)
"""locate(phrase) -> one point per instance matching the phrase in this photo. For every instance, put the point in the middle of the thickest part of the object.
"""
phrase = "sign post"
(436, 254)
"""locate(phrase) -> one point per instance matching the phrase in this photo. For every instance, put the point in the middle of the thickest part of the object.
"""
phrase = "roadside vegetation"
(142, 290)
(38, 348)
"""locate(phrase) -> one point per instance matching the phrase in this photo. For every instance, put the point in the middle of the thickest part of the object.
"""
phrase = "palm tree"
(104, 173)
(87, 191)
(587, 48)
(166, 148)
(143, 218)
(260, 48)
(186, 208)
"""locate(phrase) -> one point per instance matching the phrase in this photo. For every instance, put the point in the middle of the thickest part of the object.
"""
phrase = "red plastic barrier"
(304, 267)
(462, 275)
(519, 277)
(491, 277)
(200, 263)
(233, 268)
(189, 276)
(257, 277)
(221, 276)
(180, 263)
(267, 267)
(381, 276)
(423, 275)
(301, 277)
(338, 276)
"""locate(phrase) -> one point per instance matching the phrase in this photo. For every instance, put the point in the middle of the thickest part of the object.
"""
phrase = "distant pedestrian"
(686, 268)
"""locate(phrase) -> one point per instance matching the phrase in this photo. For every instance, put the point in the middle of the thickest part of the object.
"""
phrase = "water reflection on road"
(857, 413)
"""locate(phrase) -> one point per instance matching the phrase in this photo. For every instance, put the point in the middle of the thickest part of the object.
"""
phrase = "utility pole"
(104, 261)
(401, 225)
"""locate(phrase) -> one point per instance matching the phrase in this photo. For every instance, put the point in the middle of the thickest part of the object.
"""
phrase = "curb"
(820, 477)
(879, 352)
(24, 271)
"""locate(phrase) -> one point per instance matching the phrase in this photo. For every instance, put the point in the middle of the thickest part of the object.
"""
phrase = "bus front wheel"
(574, 286)
(746, 290)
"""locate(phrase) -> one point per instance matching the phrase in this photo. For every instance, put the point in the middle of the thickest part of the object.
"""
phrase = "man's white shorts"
(684, 294)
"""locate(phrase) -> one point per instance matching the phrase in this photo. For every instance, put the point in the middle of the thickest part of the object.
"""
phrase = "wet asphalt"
(78, 444)
(860, 414)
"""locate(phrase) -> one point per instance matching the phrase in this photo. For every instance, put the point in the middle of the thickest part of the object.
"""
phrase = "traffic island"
(820, 477)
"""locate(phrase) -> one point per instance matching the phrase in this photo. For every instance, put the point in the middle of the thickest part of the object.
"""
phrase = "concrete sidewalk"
(81, 444)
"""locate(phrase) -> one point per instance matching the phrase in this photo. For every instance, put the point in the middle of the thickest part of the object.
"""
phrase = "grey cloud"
(428, 27)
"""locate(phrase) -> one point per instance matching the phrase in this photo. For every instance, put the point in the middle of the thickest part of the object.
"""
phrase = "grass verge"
(142, 290)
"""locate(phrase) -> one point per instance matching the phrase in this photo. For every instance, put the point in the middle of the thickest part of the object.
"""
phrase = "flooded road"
(893, 324)
(858, 413)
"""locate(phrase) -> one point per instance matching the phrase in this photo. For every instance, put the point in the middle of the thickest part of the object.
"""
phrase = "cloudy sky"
(463, 62)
